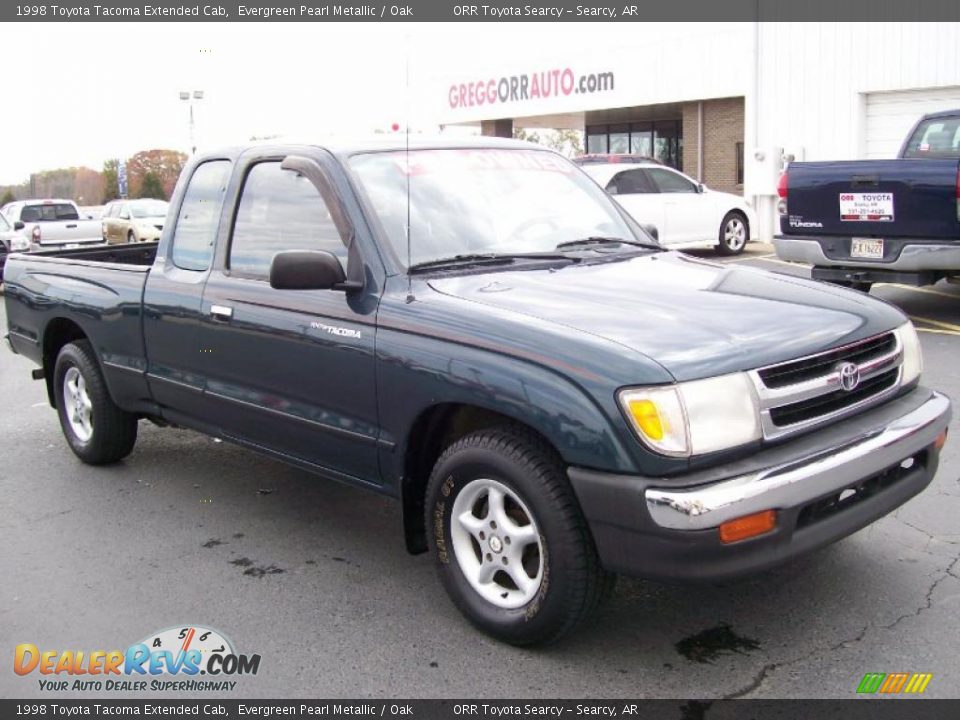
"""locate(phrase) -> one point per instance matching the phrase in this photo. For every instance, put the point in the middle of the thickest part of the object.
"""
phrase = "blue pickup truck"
(865, 221)
(475, 328)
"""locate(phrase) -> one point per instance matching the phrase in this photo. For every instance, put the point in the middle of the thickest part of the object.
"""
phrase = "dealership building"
(726, 103)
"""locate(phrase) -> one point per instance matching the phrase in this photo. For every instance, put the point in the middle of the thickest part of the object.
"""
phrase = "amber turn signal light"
(748, 526)
(940, 441)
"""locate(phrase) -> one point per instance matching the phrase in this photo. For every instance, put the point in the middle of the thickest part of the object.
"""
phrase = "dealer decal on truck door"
(866, 207)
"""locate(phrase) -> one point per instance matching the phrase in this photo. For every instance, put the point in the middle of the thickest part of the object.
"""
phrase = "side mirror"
(701, 187)
(651, 230)
(18, 225)
(307, 270)
(612, 190)
(89, 216)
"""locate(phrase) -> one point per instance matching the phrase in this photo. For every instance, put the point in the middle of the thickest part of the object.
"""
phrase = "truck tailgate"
(874, 198)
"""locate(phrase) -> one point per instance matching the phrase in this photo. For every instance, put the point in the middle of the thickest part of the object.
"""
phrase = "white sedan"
(686, 213)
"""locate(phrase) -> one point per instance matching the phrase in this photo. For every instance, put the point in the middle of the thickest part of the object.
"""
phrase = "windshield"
(935, 138)
(475, 201)
(148, 209)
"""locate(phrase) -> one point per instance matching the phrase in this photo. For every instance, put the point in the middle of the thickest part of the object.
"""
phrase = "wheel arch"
(434, 429)
(59, 332)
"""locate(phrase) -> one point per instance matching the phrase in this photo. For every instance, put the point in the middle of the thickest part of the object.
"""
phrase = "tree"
(111, 188)
(566, 142)
(151, 187)
(164, 164)
(8, 197)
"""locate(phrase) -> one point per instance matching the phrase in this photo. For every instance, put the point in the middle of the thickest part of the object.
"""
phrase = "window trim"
(216, 230)
(228, 250)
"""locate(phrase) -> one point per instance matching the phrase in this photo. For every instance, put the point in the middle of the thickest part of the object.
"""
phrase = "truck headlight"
(912, 356)
(18, 243)
(696, 417)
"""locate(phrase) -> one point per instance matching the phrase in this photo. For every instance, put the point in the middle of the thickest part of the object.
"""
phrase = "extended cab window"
(193, 235)
(670, 182)
(279, 210)
(630, 182)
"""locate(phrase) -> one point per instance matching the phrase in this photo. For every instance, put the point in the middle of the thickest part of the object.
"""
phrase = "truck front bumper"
(823, 486)
(901, 255)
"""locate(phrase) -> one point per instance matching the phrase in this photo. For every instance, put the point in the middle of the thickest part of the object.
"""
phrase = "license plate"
(71, 246)
(866, 248)
(866, 207)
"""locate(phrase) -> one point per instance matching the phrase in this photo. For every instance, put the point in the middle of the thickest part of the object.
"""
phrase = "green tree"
(564, 141)
(111, 188)
(152, 187)
(8, 197)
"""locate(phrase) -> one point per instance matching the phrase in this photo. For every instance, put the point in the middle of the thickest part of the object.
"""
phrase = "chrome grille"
(800, 394)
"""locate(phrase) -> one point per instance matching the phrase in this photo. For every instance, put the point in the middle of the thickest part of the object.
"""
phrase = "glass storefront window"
(662, 140)
(596, 143)
(641, 142)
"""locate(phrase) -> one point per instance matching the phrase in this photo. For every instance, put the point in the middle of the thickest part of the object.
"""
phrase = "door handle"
(221, 312)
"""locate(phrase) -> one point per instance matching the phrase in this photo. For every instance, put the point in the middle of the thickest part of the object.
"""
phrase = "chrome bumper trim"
(913, 258)
(803, 480)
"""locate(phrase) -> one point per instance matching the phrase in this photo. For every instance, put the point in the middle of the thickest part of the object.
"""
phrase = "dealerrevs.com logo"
(169, 660)
(555, 82)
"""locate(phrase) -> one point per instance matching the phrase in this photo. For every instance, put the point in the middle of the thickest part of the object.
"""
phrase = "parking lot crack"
(764, 672)
(950, 571)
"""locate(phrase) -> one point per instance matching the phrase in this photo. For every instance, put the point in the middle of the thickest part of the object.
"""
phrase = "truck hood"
(694, 318)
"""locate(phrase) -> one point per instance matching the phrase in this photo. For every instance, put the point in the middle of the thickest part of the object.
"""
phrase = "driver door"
(291, 371)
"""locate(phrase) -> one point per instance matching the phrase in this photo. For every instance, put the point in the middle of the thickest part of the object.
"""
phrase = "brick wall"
(722, 130)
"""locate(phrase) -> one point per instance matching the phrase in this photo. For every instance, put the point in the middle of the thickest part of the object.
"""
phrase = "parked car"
(129, 221)
(475, 328)
(52, 223)
(686, 213)
(10, 241)
(864, 221)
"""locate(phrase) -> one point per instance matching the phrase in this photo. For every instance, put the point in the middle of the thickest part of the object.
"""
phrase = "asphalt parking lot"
(314, 577)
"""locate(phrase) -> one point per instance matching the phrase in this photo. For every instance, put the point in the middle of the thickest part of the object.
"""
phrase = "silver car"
(128, 221)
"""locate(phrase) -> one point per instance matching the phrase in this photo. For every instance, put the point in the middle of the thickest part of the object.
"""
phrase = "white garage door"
(890, 115)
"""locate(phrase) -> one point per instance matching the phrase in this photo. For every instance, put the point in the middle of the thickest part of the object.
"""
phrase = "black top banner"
(486, 11)
(487, 709)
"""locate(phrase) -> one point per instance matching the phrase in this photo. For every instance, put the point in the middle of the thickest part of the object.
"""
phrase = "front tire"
(131, 238)
(97, 430)
(734, 233)
(511, 545)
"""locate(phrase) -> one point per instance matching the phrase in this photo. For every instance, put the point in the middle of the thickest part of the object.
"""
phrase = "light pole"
(189, 98)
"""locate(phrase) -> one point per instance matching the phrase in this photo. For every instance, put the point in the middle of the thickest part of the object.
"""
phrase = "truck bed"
(98, 289)
(873, 198)
(132, 254)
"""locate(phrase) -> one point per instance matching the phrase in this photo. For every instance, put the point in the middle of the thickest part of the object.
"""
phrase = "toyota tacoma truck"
(476, 329)
(865, 221)
(50, 224)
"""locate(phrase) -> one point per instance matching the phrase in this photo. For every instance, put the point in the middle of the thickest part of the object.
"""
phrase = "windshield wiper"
(602, 240)
(487, 259)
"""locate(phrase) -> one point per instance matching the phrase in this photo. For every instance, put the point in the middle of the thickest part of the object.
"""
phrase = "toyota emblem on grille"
(849, 376)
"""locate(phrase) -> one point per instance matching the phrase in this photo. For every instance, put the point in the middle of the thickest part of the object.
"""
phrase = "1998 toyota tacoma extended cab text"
(552, 396)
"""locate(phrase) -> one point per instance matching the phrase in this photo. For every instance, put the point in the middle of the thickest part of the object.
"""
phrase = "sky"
(112, 89)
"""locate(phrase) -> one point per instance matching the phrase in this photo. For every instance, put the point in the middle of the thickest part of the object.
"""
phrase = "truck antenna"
(410, 297)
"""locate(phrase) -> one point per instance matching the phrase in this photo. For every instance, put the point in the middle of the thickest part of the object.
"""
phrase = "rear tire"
(511, 545)
(734, 233)
(97, 430)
